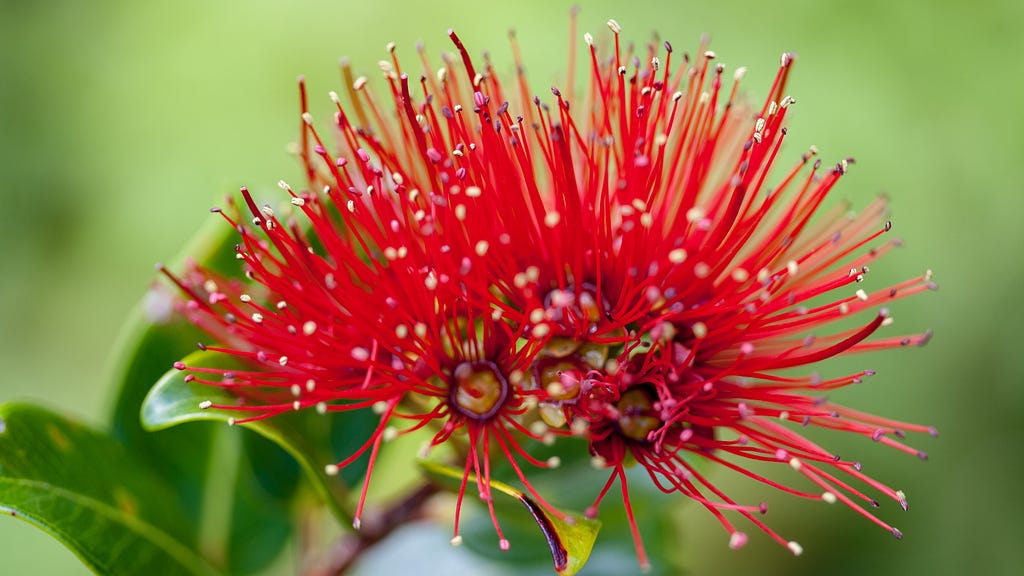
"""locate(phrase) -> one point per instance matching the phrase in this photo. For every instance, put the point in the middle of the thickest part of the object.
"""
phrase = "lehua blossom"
(493, 266)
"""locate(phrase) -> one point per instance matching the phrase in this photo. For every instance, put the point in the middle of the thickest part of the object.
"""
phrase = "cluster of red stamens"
(627, 269)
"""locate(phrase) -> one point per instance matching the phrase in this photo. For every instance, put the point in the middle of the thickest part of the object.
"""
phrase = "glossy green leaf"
(570, 538)
(304, 434)
(102, 502)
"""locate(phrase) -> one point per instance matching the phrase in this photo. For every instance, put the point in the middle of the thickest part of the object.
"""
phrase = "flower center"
(478, 389)
(637, 417)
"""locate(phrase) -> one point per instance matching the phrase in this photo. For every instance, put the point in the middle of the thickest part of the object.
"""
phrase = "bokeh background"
(122, 122)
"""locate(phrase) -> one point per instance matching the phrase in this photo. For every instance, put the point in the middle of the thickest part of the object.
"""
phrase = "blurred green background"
(122, 122)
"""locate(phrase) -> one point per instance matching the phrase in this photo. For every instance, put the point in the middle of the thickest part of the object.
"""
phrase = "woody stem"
(345, 551)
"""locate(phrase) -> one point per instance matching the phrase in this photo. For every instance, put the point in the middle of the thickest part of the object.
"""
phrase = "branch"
(375, 527)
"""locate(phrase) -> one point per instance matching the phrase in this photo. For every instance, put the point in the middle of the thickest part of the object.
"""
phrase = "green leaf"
(106, 505)
(570, 538)
(303, 434)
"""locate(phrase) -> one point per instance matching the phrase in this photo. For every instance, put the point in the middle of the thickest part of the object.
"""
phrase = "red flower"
(628, 269)
(739, 279)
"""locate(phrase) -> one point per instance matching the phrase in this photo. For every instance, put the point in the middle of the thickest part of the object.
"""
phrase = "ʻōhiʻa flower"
(471, 258)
